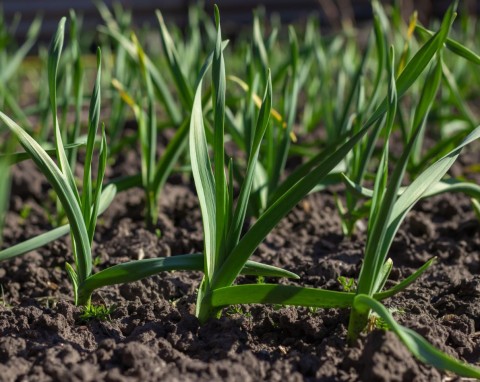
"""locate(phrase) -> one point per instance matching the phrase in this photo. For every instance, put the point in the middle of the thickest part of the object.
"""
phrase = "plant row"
(404, 84)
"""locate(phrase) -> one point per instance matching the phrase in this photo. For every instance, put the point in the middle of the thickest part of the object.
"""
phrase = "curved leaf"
(108, 194)
(420, 186)
(441, 187)
(139, 269)
(203, 177)
(280, 294)
(454, 46)
(404, 283)
(18, 157)
(63, 190)
(419, 347)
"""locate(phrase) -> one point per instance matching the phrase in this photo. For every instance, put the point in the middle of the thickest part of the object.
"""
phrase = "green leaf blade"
(184, 89)
(159, 84)
(280, 294)
(269, 219)
(404, 283)
(54, 54)
(204, 180)
(218, 99)
(242, 204)
(453, 46)
(422, 185)
(376, 251)
(419, 347)
(93, 120)
(62, 188)
(96, 201)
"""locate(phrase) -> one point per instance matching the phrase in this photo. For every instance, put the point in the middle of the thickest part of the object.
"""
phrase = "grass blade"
(34, 243)
(253, 268)
(139, 269)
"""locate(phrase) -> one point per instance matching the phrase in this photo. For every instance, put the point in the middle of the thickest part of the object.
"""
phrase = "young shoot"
(226, 250)
(82, 208)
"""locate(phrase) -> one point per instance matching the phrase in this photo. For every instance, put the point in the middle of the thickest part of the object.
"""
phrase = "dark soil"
(153, 335)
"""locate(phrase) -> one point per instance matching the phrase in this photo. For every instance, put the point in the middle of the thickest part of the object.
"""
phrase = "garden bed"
(152, 333)
(223, 176)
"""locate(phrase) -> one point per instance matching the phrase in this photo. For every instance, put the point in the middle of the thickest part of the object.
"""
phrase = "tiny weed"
(25, 211)
(237, 309)
(3, 300)
(376, 322)
(347, 283)
(313, 309)
(97, 312)
(48, 302)
(260, 280)
(97, 260)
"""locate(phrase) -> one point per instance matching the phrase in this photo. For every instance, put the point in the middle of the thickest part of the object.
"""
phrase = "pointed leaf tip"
(159, 16)
(99, 56)
(217, 15)
(56, 43)
(61, 27)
